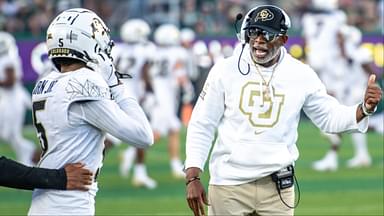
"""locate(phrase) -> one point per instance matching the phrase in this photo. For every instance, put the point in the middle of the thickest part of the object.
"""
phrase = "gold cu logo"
(264, 15)
(261, 112)
(98, 27)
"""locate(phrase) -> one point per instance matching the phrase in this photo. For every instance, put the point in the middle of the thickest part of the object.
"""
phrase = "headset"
(243, 37)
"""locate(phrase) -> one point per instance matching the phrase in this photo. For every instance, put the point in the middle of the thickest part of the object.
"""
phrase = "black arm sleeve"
(16, 175)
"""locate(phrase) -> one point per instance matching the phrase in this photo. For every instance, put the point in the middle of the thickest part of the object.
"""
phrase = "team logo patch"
(261, 111)
(98, 28)
(264, 15)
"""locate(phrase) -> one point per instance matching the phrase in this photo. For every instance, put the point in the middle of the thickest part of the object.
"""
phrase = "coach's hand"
(196, 196)
(373, 94)
(78, 177)
(103, 64)
(372, 97)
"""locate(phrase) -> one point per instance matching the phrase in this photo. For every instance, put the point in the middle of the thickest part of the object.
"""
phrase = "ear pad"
(246, 38)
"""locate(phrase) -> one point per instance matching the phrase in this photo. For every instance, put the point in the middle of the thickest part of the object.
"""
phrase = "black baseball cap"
(269, 18)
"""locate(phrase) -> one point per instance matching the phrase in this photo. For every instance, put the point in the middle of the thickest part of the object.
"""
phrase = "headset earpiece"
(246, 38)
(287, 21)
(243, 36)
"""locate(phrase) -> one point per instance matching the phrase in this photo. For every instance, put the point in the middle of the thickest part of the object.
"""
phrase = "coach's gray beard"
(271, 55)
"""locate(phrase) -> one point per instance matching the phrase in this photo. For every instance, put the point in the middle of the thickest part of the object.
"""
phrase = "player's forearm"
(138, 119)
(127, 123)
(16, 175)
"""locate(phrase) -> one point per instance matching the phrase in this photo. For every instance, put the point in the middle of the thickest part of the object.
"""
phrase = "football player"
(133, 58)
(215, 50)
(187, 39)
(73, 108)
(204, 63)
(355, 67)
(168, 77)
(14, 100)
(320, 31)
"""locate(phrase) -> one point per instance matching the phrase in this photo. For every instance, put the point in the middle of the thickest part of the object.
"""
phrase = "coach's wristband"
(192, 179)
(365, 111)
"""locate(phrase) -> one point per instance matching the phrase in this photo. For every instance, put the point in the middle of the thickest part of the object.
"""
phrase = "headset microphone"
(239, 16)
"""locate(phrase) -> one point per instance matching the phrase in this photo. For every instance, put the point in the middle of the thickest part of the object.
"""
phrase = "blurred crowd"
(208, 17)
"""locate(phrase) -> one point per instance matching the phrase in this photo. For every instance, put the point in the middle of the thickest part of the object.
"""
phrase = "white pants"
(56, 202)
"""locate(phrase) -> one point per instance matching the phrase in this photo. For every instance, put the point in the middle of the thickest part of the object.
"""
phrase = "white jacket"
(257, 136)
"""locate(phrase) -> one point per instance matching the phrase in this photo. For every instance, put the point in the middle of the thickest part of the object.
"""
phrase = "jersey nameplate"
(44, 87)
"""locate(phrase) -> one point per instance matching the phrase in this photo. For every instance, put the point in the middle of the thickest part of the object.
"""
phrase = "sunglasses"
(253, 33)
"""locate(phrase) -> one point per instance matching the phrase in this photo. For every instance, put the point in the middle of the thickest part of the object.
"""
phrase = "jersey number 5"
(37, 106)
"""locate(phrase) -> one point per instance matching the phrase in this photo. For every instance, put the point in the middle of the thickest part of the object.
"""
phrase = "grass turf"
(344, 192)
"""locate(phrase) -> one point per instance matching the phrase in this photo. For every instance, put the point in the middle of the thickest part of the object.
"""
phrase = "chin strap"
(123, 76)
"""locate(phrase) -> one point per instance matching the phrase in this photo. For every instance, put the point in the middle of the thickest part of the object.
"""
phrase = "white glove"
(103, 64)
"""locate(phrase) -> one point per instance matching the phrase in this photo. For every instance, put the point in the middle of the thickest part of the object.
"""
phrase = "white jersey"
(71, 112)
(130, 59)
(320, 32)
(355, 76)
(189, 58)
(168, 67)
(257, 133)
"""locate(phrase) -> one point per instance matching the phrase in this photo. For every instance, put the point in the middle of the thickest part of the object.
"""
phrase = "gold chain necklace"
(267, 93)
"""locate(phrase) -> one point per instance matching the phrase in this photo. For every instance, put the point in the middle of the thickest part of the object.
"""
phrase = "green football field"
(344, 192)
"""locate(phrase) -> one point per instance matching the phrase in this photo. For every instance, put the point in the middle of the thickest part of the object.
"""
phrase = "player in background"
(73, 108)
(321, 25)
(169, 76)
(204, 63)
(133, 58)
(14, 100)
(355, 66)
(227, 50)
(215, 50)
(187, 39)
